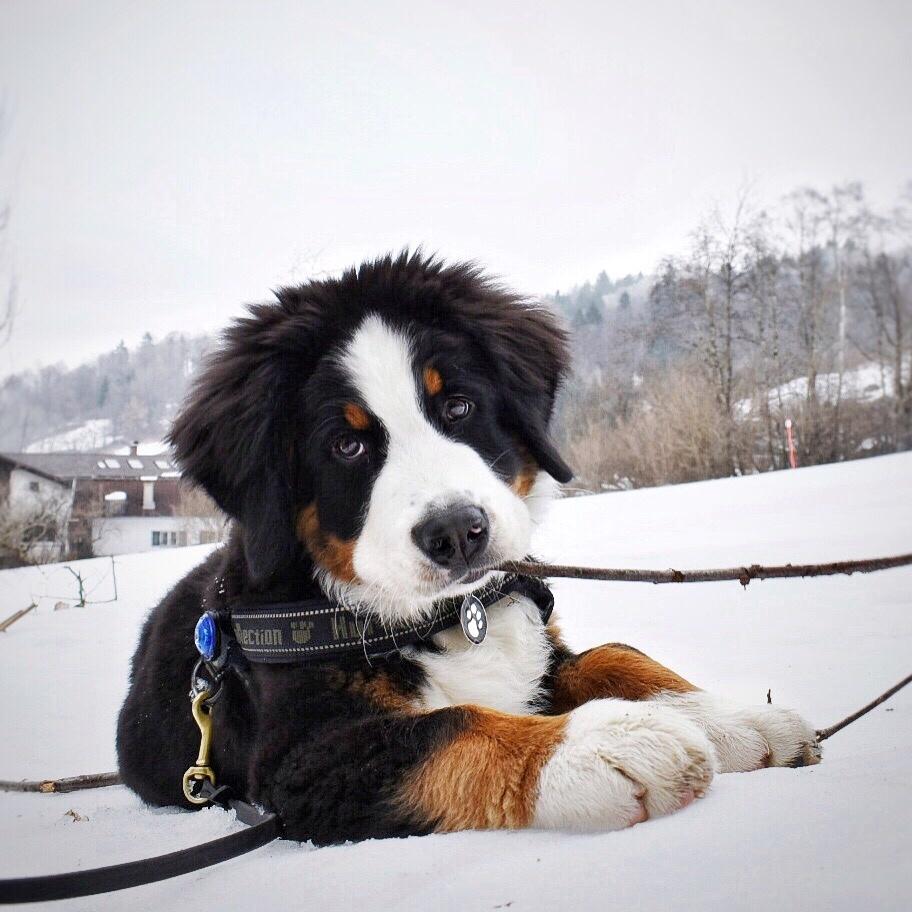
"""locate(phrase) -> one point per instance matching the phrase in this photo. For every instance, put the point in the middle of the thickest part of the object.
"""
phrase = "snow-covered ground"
(834, 836)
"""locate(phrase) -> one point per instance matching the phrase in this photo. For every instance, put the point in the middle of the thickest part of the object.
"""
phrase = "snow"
(865, 383)
(145, 448)
(832, 837)
(94, 434)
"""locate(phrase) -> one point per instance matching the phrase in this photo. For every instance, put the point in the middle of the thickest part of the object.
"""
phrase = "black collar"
(316, 629)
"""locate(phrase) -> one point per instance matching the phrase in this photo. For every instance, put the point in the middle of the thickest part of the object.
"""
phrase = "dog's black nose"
(453, 537)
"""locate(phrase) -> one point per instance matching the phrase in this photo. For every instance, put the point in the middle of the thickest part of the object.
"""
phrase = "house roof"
(100, 466)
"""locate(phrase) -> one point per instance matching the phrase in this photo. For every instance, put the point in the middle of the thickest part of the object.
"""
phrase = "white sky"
(167, 161)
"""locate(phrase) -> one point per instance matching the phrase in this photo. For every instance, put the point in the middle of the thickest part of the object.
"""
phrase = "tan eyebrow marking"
(356, 416)
(433, 382)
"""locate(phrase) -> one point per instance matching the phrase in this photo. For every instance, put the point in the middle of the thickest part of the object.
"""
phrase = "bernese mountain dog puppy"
(381, 443)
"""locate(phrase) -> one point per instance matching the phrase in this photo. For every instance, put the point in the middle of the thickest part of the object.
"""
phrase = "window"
(33, 486)
(115, 503)
(112, 463)
(163, 463)
(174, 538)
(101, 464)
(135, 463)
(156, 539)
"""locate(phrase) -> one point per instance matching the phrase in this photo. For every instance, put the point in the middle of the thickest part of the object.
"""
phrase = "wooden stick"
(102, 780)
(825, 733)
(743, 575)
(22, 612)
(72, 784)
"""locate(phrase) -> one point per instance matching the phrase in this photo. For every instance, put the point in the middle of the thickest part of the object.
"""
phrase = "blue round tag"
(206, 635)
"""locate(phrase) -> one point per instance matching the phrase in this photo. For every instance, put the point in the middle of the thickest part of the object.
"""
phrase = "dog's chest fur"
(504, 672)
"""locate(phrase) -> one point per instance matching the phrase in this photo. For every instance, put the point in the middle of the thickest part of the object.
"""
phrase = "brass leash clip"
(201, 771)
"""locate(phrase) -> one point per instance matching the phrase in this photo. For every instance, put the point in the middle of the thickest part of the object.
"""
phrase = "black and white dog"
(381, 441)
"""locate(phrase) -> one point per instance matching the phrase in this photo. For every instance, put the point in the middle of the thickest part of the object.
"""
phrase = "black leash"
(262, 828)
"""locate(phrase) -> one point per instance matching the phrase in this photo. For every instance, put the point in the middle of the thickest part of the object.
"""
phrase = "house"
(96, 504)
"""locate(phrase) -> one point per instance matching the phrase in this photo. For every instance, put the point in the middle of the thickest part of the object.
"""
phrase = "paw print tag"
(474, 619)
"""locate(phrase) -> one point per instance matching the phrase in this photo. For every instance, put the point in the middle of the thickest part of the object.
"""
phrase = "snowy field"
(834, 836)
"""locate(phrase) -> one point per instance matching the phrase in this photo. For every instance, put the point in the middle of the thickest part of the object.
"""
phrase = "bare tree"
(31, 533)
(8, 286)
(763, 330)
(885, 281)
(704, 297)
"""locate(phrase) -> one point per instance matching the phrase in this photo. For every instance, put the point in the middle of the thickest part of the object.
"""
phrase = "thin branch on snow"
(743, 575)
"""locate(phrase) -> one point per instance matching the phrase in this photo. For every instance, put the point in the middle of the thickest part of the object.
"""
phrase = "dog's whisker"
(501, 456)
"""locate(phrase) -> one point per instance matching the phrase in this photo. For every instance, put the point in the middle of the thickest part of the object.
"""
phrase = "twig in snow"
(743, 575)
(71, 784)
(22, 612)
(101, 780)
(825, 733)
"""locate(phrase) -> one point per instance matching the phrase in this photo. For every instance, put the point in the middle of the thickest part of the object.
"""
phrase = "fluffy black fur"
(307, 740)
(243, 435)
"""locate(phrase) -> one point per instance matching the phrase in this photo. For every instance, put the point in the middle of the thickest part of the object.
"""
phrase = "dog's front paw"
(620, 763)
(750, 738)
(791, 741)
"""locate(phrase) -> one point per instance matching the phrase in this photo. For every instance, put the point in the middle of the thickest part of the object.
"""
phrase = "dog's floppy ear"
(544, 452)
(532, 357)
(229, 438)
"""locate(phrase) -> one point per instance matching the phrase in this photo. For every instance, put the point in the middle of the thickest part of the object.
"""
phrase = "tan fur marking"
(612, 671)
(382, 692)
(523, 482)
(356, 416)
(487, 777)
(555, 634)
(329, 551)
(433, 382)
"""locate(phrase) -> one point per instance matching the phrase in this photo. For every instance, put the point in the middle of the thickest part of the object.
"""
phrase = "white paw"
(792, 741)
(749, 738)
(620, 763)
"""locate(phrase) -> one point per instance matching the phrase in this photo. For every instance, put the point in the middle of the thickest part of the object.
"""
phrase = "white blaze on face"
(423, 470)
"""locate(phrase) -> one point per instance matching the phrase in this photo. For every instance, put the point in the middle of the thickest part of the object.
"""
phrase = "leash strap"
(261, 829)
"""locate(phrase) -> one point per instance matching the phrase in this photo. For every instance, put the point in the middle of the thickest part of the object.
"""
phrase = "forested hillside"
(802, 313)
(133, 391)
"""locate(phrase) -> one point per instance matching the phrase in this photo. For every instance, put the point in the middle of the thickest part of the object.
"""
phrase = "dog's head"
(389, 425)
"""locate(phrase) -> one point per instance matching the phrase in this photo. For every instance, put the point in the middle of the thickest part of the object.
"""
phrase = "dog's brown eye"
(348, 447)
(457, 408)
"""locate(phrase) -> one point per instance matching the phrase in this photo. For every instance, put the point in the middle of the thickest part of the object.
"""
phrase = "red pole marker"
(793, 457)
